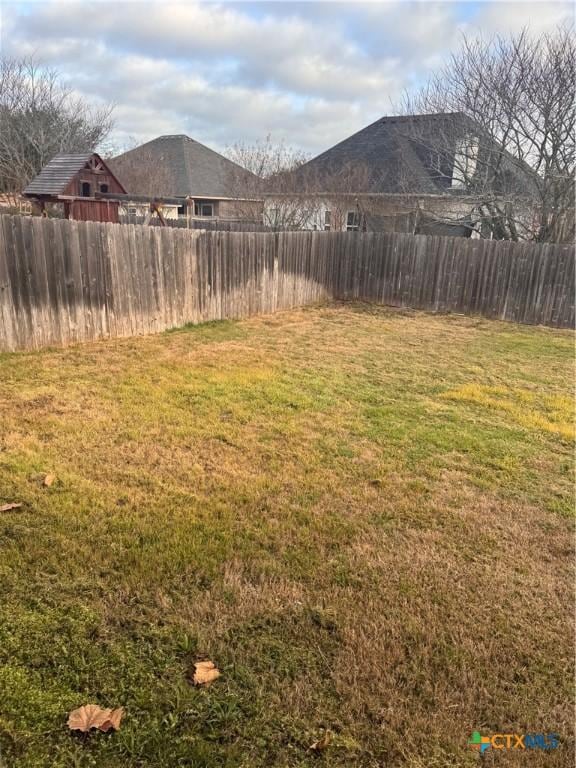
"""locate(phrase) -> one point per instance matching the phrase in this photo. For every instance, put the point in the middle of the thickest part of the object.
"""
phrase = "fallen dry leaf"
(322, 743)
(11, 505)
(113, 721)
(92, 716)
(48, 480)
(205, 673)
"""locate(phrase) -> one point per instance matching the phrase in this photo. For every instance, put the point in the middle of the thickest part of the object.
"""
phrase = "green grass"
(363, 517)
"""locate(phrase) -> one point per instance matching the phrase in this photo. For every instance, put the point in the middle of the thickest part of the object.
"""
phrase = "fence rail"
(206, 223)
(64, 281)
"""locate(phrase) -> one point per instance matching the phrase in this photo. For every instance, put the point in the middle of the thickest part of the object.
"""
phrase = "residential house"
(416, 173)
(177, 166)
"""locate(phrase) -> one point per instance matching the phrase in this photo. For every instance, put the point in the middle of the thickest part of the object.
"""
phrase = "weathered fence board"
(66, 281)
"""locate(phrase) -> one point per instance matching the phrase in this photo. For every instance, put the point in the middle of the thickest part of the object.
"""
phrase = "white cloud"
(310, 73)
(302, 57)
(502, 18)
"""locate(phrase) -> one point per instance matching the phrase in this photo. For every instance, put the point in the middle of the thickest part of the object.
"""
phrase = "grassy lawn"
(362, 516)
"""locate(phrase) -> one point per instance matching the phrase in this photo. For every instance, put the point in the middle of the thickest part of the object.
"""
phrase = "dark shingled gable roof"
(390, 148)
(194, 169)
(57, 174)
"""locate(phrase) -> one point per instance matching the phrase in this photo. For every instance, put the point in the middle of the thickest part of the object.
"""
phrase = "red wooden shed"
(74, 180)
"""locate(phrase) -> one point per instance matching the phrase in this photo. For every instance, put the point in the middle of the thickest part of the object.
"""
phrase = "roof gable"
(56, 175)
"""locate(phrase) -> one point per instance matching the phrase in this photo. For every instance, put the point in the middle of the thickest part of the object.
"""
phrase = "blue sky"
(309, 73)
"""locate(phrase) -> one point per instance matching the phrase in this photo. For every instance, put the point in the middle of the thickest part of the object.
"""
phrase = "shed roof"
(57, 174)
(193, 168)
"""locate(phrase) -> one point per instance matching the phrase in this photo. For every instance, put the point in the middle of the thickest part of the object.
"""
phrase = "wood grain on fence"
(66, 281)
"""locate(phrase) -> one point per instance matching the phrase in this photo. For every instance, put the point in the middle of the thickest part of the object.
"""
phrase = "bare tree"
(297, 195)
(266, 158)
(40, 117)
(266, 173)
(510, 144)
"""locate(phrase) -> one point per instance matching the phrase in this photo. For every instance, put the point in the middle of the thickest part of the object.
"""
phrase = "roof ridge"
(420, 116)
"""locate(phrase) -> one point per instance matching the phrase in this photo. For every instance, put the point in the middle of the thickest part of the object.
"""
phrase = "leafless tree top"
(514, 141)
(40, 117)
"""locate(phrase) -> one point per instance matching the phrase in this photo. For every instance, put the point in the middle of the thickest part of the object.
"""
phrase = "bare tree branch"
(271, 165)
(296, 195)
(40, 117)
(511, 143)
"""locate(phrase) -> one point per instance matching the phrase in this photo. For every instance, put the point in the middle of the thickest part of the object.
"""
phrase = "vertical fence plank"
(8, 307)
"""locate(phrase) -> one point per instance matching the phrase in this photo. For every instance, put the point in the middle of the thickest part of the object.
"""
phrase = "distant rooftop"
(191, 167)
(389, 151)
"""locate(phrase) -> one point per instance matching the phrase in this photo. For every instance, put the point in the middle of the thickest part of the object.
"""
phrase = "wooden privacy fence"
(65, 281)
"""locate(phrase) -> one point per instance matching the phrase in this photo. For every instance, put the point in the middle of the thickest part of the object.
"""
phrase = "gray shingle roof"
(412, 154)
(389, 149)
(193, 168)
(57, 174)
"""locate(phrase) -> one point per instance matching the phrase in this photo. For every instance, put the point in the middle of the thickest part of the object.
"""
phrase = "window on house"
(327, 220)
(203, 209)
(104, 188)
(352, 221)
(132, 210)
(182, 210)
(85, 189)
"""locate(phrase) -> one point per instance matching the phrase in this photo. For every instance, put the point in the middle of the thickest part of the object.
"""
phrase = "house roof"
(193, 168)
(57, 174)
(391, 148)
